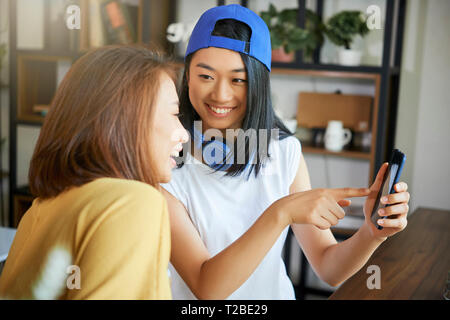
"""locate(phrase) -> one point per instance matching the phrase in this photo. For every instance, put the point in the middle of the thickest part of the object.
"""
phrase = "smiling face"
(217, 83)
(168, 133)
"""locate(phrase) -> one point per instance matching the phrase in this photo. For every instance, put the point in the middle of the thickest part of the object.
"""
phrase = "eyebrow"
(205, 66)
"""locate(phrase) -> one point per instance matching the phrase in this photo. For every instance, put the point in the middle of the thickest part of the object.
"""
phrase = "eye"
(238, 80)
(178, 115)
(206, 77)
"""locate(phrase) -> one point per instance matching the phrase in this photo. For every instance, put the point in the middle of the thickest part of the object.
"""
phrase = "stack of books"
(112, 22)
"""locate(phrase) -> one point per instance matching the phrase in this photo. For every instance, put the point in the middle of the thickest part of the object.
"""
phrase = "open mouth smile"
(219, 111)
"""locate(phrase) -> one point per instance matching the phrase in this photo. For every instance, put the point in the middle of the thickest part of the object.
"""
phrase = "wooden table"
(413, 263)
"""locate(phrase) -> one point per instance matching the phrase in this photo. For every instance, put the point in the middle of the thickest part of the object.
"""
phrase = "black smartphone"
(391, 177)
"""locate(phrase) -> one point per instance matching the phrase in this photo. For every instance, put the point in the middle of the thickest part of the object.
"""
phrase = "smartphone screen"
(387, 188)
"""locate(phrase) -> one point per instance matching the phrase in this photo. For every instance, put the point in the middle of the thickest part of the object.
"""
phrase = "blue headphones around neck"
(209, 149)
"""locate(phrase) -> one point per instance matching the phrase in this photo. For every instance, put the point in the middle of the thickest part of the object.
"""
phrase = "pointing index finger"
(342, 193)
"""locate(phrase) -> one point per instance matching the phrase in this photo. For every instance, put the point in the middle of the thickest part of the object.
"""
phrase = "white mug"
(336, 137)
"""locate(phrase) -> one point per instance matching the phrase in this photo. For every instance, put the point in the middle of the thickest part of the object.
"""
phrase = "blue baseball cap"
(259, 46)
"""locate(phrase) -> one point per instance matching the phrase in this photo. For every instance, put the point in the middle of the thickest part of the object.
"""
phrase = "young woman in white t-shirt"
(229, 220)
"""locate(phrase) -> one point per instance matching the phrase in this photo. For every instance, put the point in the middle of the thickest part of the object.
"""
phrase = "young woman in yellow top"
(99, 227)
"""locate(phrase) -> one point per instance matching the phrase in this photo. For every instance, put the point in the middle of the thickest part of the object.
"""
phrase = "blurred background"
(371, 75)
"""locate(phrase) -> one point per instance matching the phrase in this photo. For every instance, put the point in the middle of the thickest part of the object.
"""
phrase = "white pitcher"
(336, 137)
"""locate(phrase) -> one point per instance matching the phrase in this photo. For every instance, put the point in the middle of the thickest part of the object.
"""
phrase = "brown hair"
(100, 121)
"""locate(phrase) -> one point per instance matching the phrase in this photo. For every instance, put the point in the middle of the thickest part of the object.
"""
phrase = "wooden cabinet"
(37, 80)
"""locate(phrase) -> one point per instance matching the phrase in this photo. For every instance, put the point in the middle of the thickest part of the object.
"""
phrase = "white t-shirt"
(223, 208)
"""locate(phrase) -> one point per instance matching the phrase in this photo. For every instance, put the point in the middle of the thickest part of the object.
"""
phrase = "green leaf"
(288, 48)
(272, 10)
(289, 16)
(298, 34)
(266, 17)
(275, 39)
(342, 27)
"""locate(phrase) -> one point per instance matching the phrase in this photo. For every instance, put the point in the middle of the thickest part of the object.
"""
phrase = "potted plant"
(286, 37)
(341, 29)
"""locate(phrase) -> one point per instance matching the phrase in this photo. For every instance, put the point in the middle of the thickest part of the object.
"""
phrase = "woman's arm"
(336, 262)
(219, 276)
(313, 241)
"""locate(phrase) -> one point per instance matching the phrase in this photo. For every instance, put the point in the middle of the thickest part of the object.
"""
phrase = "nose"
(222, 91)
(185, 136)
(180, 135)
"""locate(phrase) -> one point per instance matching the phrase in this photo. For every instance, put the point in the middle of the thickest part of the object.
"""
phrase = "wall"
(423, 130)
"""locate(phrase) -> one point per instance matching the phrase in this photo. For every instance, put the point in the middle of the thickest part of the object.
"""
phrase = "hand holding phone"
(391, 177)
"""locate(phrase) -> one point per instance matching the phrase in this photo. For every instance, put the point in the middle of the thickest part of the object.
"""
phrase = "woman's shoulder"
(288, 155)
(114, 198)
(113, 185)
(105, 192)
(289, 145)
(103, 204)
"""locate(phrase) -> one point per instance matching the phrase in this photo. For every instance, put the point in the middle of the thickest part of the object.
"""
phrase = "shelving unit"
(345, 153)
(343, 72)
(36, 85)
(386, 79)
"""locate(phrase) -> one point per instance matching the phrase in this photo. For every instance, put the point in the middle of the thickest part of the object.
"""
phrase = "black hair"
(259, 113)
